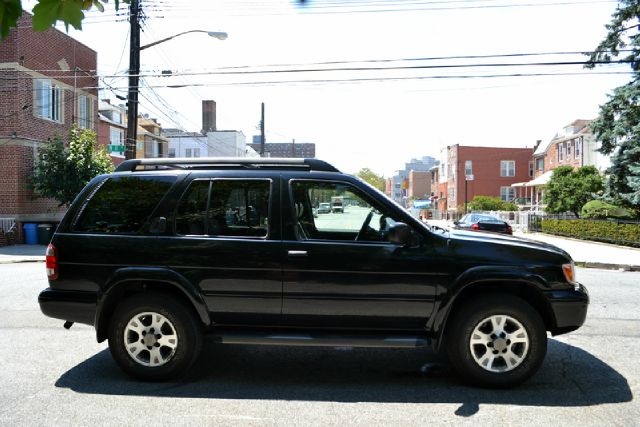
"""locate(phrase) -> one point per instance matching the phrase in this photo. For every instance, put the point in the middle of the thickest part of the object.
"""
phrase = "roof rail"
(225, 163)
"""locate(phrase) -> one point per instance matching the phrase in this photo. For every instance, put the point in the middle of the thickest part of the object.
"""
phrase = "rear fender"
(127, 278)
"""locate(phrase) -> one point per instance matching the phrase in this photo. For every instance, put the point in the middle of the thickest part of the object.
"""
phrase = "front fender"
(121, 278)
(494, 276)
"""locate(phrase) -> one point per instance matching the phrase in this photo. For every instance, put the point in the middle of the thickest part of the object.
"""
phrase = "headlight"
(569, 272)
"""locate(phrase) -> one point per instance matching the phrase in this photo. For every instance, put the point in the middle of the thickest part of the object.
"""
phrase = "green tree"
(488, 203)
(569, 190)
(618, 122)
(63, 170)
(372, 178)
(47, 12)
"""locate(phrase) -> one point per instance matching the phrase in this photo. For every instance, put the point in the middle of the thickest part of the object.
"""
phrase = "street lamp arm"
(218, 35)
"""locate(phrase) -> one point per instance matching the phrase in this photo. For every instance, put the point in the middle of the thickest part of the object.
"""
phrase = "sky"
(372, 118)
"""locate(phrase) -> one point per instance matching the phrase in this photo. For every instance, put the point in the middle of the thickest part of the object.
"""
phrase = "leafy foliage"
(62, 171)
(624, 233)
(487, 203)
(47, 12)
(569, 190)
(372, 178)
(618, 122)
(602, 210)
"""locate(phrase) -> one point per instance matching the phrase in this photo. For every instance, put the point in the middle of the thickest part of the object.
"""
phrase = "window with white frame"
(507, 193)
(85, 112)
(172, 152)
(578, 149)
(569, 150)
(468, 167)
(540, 163)
(560, 152)
(48, 100)
(196, 152)
(116, 136)
(507, 168)
(531, 168)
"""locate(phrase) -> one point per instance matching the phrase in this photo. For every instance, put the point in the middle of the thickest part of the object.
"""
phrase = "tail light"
(475, 227)
(52, 262)
(509, 229)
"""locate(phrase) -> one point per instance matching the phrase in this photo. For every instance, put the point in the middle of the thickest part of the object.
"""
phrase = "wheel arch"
(529, 291)
(131, 281)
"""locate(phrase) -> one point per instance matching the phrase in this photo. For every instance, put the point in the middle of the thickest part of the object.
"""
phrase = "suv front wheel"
(153, 337)
(496, 341)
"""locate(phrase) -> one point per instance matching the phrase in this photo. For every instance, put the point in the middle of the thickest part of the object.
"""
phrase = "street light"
(134, 71)
(215, 34)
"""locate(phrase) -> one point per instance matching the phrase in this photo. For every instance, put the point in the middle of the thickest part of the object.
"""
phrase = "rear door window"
(121, 205)
(225, 207)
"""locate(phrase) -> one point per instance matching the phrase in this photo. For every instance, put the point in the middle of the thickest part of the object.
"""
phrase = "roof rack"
(225, 163)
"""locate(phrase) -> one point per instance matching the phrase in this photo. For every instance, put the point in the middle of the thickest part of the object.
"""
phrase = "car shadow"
(569, 377)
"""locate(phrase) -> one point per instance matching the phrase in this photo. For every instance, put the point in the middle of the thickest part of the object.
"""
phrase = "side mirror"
(400, 234)
(158, 225)
(456, 222)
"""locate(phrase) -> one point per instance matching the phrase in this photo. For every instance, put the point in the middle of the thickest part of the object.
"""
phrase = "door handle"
(297, 253)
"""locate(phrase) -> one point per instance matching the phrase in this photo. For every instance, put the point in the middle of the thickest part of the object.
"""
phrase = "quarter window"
(121, 205)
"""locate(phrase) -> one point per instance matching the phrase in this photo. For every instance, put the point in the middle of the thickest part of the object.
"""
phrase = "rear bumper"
(569, 308)
(74, 306)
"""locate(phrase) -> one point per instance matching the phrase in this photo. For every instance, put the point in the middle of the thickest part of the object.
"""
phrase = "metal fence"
(7, 223)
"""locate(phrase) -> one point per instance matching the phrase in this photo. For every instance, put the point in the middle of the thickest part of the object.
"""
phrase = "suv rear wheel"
(496, 341)
(153, 337)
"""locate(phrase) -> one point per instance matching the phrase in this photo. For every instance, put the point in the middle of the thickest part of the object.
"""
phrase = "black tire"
(477, 313)
(177, 321)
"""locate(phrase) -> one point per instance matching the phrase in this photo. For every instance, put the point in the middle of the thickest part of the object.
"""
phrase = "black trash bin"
(45, 233)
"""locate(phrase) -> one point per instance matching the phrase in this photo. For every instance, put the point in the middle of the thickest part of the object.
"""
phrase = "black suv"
(163, 251)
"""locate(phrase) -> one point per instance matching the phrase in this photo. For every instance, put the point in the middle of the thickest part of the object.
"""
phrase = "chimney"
(208, 116)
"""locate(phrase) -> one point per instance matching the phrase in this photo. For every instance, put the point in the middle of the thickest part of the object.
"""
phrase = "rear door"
(226, 243)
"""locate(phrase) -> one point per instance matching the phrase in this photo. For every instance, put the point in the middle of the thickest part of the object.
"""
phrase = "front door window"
(336, 211)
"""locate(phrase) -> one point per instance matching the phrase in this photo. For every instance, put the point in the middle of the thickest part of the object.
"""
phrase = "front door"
(340, 270)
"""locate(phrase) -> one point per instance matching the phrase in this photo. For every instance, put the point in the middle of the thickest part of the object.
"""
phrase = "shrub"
(600, 209)
(604, 231)
(487, 203)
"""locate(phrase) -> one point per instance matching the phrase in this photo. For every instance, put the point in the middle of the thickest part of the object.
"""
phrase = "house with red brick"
(47, 83)
(112, 129)
(574, 145)
(465, 172)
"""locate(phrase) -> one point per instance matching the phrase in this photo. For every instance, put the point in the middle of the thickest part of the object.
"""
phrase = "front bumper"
(569, 308)
(73, 306)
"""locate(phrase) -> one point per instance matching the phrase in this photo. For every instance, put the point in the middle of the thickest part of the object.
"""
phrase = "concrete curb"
(605, 266)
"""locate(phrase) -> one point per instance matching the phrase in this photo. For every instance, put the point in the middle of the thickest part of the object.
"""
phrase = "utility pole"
(262, 132)
(293, 148)
(134, 72)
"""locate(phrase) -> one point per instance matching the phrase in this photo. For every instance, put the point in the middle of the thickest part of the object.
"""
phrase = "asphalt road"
(51, 376)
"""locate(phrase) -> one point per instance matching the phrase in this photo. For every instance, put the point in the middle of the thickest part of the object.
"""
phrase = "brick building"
(491, 172)
(47, 83)
(112, 129)
(575, 145)
(285, 149)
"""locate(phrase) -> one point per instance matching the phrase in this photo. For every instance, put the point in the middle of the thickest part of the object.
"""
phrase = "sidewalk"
(584, 253)
(592, 254)
(22, 253)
